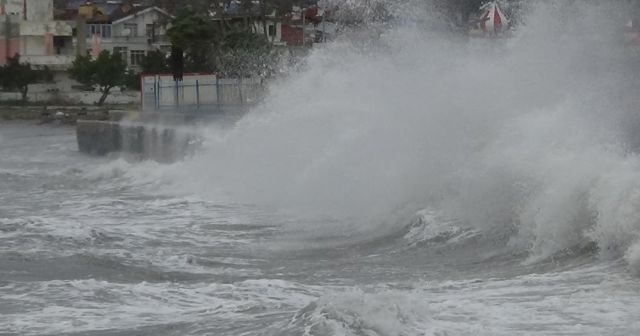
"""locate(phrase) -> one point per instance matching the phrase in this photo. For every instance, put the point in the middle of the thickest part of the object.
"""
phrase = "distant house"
(306, 26)
(131, 31)
(239, 14)
(255, 24)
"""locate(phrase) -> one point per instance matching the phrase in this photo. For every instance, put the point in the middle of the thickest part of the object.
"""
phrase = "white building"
(237, 13)
(130, 31)
(274, 29)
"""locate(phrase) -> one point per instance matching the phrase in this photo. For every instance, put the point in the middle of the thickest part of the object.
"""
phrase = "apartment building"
(29, 29)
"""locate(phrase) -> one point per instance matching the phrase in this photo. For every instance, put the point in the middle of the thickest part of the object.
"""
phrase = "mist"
(531, 137)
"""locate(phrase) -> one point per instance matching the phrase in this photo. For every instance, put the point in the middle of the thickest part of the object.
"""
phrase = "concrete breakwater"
(164, 137)
(163, 143)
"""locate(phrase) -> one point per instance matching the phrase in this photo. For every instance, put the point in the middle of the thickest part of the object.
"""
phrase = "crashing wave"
(525, 140)
(430, 227)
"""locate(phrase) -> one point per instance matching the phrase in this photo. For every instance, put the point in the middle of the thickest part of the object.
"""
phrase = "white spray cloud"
(525, 136)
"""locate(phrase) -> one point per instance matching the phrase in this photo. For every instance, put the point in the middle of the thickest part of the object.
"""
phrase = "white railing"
(57, 28)
(48, 60)
(131, 40)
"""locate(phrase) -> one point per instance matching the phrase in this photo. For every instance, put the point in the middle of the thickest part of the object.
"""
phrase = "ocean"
(406, 182)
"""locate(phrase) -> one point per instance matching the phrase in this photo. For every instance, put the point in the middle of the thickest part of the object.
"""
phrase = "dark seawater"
(97, 246)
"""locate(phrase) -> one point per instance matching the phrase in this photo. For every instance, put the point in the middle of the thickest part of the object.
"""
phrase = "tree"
(246, 54)
(107, 71)
(198, 36)
(132, 80)
(155, 62)
(18, 76)
(230, 48)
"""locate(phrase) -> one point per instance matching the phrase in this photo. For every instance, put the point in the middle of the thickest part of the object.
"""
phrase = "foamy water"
(413, 183)
(96, 247)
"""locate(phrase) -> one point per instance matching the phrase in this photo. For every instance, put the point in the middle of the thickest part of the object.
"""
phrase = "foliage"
(132, 80)
(106, 71)
(190, 26)
(245, 54)
(155, 62)
(197, 35)
(219, 46)
(18, 76)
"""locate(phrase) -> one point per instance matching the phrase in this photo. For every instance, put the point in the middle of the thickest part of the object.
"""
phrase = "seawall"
(164, 143)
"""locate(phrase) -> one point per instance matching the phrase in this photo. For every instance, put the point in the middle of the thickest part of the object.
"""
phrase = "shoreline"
(67, 114)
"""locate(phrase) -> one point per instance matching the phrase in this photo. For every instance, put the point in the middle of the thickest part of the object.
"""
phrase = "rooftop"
(124, 11)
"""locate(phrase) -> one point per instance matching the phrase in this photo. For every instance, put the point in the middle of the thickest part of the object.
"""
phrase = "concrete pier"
(98, 137)
(155, 142)
(162, 136)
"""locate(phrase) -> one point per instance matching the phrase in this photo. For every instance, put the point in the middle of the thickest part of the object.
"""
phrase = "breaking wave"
(529, 138)
(451, 307)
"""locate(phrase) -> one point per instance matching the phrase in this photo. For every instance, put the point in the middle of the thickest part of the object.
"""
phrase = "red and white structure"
(632, 32)
(493, 20)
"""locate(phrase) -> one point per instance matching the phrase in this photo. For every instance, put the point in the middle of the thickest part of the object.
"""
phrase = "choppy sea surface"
(93, 246)
(400, 180)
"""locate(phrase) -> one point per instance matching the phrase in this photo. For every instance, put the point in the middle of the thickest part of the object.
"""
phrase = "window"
(272, 30)
(102, 30)
(106, 31)
(59, 43)
(136, 57)
(133, 29)
(122, 51)
(151, 30)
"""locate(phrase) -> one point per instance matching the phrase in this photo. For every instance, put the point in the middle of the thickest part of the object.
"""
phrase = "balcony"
(53, 62)
(56, 28)
(133, 39)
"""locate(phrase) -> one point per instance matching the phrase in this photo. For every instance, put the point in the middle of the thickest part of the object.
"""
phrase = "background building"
(128, 29)
(29, 29)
